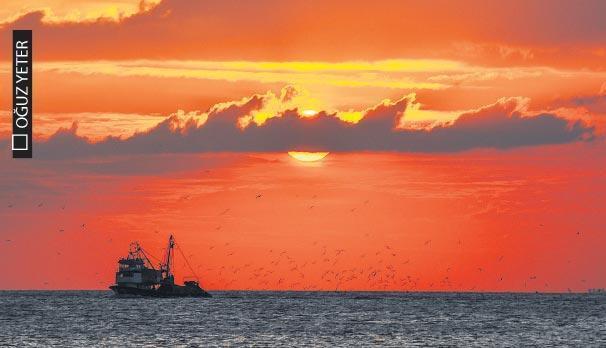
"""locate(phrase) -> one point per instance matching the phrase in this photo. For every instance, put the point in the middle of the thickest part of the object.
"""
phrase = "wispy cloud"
(384, 74)
(74, 11)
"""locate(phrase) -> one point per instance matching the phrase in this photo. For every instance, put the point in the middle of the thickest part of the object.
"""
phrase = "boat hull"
(162, 291)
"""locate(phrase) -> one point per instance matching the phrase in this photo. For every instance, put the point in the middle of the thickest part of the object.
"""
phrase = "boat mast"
(169, 256)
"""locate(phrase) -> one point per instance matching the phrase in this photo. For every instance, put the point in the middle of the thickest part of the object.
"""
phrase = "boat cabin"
(133, 272)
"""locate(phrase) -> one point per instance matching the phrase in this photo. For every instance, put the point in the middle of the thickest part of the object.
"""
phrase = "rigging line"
(150, 255)
(187, 262)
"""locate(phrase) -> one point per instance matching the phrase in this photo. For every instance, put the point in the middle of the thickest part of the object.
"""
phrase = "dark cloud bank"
(500, 125)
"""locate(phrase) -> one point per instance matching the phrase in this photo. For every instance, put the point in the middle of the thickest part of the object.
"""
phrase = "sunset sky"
(459, 145)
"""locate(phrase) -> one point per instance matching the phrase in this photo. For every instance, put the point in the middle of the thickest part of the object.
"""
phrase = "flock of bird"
(384, 272)
(327, 268)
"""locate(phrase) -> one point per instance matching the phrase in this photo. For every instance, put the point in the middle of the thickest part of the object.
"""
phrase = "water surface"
(97, 318)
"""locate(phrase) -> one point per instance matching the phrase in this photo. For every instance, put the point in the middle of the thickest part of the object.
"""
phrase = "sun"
(307, 156)
(309, 113)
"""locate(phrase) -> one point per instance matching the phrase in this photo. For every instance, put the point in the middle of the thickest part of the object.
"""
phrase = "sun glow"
(309, 113)
(307, 156)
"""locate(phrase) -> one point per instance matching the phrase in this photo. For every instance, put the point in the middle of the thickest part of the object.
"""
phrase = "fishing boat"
(137, 276)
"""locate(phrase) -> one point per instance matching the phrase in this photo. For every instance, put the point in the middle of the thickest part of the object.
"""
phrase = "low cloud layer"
(235, 127)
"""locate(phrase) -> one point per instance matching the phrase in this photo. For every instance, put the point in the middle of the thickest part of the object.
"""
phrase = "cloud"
(593, 103)
(395, 73)
(502, 125)
(560, 34)
(61, 11)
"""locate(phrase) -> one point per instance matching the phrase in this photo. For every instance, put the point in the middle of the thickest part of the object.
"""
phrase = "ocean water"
(97, 318)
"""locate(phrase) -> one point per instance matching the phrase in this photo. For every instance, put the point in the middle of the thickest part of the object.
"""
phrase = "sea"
(302, 319)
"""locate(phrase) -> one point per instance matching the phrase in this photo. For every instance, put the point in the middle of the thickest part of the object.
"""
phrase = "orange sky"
(474, 122)
(427, 217)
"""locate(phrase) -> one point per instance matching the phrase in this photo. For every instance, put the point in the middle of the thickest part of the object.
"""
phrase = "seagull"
(259, 195)
(40, 204)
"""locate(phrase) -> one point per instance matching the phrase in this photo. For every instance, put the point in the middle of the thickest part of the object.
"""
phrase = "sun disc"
(307, 156)
(309, 113)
